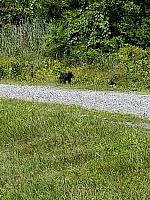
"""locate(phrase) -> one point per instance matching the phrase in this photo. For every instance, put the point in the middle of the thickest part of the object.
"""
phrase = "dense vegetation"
(65, 152)
(107, 35)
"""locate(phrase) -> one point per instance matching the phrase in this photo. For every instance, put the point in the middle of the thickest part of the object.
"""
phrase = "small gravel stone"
(131, 102)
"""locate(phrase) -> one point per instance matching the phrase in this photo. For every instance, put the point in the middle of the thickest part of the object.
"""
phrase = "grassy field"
(53, 152)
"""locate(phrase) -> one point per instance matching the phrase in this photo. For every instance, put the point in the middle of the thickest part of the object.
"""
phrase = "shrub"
(15, 68)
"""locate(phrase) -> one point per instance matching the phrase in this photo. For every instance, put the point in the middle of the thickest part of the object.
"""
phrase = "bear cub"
(67, 76)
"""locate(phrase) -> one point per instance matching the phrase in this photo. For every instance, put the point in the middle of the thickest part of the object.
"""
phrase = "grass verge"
(97, 81)
(50, 151)
(126, 70)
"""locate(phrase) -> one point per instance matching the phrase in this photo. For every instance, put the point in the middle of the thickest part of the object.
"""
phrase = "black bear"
(66, 77)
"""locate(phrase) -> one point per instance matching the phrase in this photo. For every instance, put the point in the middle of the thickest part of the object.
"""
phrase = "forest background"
(105, 43)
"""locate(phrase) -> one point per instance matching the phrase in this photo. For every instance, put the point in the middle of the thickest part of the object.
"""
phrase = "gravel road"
(132, 103)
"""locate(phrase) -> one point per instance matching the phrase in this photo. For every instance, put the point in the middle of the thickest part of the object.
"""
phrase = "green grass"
(23, 49)
(119, 72)
(50, 151)
(85, 78)
(22, 39)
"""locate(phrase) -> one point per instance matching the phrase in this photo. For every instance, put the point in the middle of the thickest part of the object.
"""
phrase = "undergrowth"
(128, 69)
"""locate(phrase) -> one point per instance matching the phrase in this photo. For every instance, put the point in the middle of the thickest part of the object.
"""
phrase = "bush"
(15, 68)
(134, 65)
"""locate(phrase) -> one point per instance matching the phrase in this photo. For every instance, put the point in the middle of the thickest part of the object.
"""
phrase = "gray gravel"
(132, 103)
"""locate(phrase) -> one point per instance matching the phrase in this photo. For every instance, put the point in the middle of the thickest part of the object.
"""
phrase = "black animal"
(66, 77)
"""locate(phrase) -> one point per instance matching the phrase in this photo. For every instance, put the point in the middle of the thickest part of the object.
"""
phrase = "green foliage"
(53, 66)
(93, 55)
(77, 26)
(93, 27)
(55, 41)
(23, 39)
(16, 68)
(135, 63)
(78, 31)
(134, 56)
(89, 34)
(141, 36)
(15, 11)
(128, 69)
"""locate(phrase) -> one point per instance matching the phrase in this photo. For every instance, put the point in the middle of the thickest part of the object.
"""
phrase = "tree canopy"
(79, 25)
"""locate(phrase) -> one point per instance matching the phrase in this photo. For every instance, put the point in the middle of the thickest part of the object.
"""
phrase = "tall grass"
(21, 49)
(16, 40)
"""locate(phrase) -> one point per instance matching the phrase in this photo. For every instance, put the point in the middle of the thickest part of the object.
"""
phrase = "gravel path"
(132, 103)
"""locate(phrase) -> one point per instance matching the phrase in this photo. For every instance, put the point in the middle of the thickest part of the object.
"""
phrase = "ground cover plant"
(50, 151)
(106, 44)
(126, 70)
